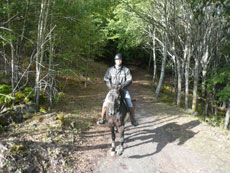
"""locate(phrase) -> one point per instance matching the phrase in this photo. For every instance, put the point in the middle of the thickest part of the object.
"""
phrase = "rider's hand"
(119, 87)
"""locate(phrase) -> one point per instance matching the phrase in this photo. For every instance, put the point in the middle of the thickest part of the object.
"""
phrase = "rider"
(119, 74)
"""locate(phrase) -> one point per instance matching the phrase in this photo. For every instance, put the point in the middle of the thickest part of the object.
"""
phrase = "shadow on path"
(163, 135)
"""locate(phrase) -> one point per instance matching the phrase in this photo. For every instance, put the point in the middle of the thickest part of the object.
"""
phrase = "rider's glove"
(120, 87)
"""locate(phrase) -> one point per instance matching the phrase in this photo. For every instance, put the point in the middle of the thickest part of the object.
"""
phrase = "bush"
(5, 89)
(27, 91)
(20, 96)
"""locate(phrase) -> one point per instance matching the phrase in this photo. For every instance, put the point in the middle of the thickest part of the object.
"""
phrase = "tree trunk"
(149, 63)
(207, 104)
(51, 52)
(175, 82)
(204, 63)
(227, 116)
(204, 72)
(195, 85)
(12, 70)
(224, 105)
(162, 68)
(86, 73)
(5, 60)
(187, 65)
(178, 72)
(40, 45)
(12, 58)
(154, 57)
(179, 81)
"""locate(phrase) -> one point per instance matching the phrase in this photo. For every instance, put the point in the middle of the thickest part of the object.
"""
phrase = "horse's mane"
(112, 92)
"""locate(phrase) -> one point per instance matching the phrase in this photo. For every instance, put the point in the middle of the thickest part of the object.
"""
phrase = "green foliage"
(226, 48)
(28, 92)
(5, 94)
(20, 96)
(77, 38)
(5, 89)
(215, 120)
(126, 27)
(220, 79)
(58, 97)
(224, 94)
(42, 110)
(80, 36)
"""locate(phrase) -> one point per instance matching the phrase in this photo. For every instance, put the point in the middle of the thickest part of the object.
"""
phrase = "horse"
(116, 111)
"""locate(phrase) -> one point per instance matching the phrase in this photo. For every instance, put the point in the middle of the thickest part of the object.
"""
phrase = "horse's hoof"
(113, 149)
(120, 150)
(113, 153)
(116, 129)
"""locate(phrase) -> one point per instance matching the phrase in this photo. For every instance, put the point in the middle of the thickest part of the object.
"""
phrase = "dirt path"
(166, 141)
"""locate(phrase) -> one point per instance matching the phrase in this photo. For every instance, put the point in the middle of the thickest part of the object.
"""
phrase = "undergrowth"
(48, 140)
(168, 96)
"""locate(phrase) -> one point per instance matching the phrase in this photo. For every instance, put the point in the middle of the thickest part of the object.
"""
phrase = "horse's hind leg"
(113, 141)
(121, 146)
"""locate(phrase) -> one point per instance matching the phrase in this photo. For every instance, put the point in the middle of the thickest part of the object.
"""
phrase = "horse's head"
(114, 100)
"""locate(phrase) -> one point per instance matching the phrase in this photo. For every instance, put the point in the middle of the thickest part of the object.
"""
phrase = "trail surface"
(167, 140)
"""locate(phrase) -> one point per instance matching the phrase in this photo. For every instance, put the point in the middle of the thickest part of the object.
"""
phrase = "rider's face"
(118, 62)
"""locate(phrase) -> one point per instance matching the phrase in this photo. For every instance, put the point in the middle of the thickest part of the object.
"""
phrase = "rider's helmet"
(118, 56)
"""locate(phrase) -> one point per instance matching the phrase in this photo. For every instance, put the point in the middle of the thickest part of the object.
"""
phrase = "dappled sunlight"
(142, 82)
(85, 96)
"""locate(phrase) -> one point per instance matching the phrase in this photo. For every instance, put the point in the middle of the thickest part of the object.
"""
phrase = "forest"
(185, 45)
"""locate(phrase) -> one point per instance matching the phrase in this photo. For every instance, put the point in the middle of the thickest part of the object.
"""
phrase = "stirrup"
(100, 121)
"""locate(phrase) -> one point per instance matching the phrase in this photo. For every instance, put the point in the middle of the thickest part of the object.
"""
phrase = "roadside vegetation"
(53, 56)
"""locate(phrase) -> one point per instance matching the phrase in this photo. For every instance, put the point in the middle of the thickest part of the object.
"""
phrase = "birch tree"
(42, 24)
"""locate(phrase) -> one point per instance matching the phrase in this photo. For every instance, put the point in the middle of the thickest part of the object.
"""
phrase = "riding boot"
(132, 117)
(102, 119)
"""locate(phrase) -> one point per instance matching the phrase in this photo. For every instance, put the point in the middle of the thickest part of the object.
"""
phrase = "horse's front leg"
(113, 151)
(121, 146)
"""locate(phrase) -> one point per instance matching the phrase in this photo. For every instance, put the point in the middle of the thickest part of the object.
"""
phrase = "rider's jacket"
(115, 76)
